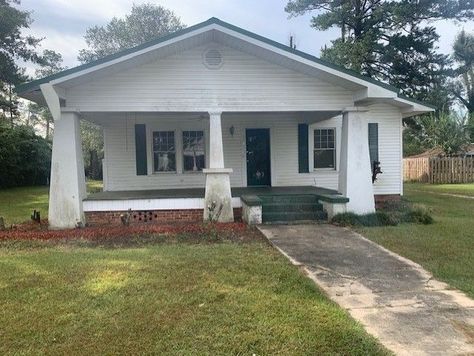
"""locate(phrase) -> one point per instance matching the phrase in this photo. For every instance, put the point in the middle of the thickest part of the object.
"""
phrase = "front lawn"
(445, 248)
(166, 298)
(459, 189)
(17, 204)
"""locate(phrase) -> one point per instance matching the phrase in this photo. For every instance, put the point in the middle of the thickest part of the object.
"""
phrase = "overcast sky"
(63, 23)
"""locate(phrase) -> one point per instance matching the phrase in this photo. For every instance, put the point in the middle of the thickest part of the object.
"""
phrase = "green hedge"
(25, 158)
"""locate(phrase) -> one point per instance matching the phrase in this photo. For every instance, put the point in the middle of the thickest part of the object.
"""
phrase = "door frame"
(270, 143)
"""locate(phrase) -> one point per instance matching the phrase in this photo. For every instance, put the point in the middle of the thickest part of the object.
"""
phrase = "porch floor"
(199, 193)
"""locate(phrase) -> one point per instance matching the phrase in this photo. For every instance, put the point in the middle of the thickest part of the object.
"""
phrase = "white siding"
(389, 119)
(183, 83)
(120, 150)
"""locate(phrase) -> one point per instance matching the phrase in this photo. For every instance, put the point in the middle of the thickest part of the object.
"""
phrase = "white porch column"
(218, 198)
(355, 175)
(67, 186)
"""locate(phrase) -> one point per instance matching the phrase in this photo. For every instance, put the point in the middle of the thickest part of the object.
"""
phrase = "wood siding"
(120, 150)
(183, 83)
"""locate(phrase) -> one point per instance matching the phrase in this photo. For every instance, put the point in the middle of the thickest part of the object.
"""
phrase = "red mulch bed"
(36, 231)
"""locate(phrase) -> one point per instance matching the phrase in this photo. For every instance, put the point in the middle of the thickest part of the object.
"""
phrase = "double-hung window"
(325, 148)
(194, 157)
(164, 151)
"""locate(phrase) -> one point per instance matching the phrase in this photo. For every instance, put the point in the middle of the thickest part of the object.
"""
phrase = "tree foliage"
(14, 47)
(446, 131)
(25, 158)
(389, 40)
(145, 23)
(92, 149)
(39, 114)
(463, 56)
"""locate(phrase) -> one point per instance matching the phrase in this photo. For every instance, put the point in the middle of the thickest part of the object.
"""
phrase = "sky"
(63, 23)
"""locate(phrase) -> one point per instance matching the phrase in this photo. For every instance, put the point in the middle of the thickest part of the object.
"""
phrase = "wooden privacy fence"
(439, 170)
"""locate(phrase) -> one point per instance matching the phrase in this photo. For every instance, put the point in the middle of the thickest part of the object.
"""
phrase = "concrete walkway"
(394, 298)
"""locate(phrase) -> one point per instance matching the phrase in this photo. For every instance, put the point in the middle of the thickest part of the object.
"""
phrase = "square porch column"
(218, 198)
(67, 186)
(355, 176)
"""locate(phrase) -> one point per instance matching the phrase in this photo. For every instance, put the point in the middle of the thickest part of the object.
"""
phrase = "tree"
(51, 64)
(463, 87)
(14, 46)
(388, 40)
(446, 131)
(25, 158)
(92, 149)
(145, 22)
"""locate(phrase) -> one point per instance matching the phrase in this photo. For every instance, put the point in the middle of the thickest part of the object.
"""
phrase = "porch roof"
(200, 192)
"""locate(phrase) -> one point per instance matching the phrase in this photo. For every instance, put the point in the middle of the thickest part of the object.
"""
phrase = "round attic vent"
(213, 59)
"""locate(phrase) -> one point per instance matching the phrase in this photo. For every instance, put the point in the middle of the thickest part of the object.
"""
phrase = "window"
(164, 151)
(324, 148)
(193, 151)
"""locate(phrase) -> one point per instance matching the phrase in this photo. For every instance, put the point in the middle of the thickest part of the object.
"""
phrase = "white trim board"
(149, 204)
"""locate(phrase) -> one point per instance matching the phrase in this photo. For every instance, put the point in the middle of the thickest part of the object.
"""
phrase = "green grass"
(17, 204)
(446, 248)
(226, 298)
(460, 189)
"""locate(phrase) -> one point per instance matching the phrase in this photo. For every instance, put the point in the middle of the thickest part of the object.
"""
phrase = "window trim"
(153, 151)
(312, 149)
(178, 129)
(183, 171)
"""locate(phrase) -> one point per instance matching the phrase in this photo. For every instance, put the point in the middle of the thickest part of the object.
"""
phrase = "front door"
(258, 157)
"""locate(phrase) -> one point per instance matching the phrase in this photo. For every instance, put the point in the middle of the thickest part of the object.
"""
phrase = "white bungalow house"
(213, 121)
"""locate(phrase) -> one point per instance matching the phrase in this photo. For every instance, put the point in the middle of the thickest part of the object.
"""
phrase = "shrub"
(392, 216)
(25, 158)
(379, 218)
(418, 215)
(346, 219)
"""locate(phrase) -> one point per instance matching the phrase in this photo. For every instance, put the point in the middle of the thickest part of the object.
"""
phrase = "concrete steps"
(291, 208)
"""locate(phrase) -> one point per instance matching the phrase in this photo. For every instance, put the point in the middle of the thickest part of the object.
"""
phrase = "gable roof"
(34, 85)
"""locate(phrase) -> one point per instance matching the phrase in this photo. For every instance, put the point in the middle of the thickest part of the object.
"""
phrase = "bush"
(25, 158)
(346, 219)
(418, 215)
(392, 215)
(379, 218)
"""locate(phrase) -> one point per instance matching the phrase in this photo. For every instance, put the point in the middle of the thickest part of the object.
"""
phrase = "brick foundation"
(150, 216)
(382, 199)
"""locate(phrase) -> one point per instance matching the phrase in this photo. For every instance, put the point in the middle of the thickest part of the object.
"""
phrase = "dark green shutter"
(140, 149)
(374, 142)
(303, 151)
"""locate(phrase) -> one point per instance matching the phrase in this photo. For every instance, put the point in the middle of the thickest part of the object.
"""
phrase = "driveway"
(394, 298)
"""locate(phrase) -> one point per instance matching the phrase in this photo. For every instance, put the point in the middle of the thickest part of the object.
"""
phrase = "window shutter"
(140, 149)
(373, 142)
(303, 152)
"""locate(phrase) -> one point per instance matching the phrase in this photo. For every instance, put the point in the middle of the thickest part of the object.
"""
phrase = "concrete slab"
(394, 298)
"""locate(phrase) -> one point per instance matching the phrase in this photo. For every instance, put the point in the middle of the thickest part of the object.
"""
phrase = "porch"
(253, 204)
(237, 192)
(205, 164)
